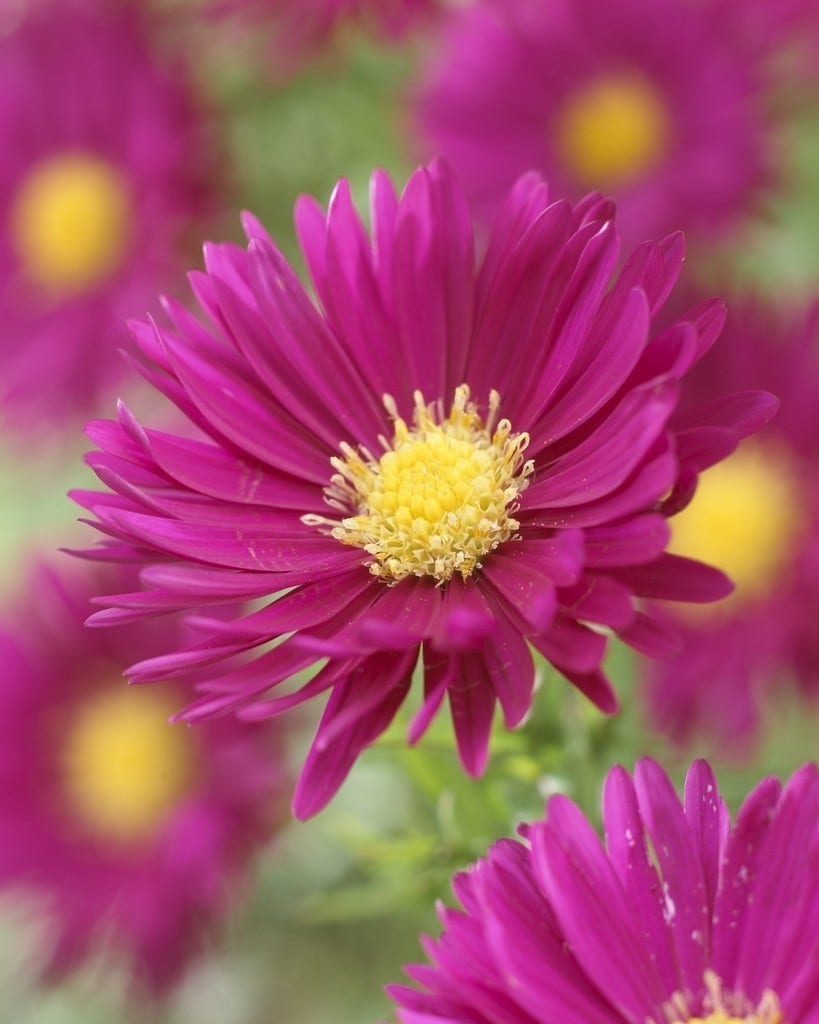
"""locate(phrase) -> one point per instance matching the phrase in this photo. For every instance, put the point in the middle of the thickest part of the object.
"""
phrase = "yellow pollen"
(613, 130)
(721, 1017)
(724, 1007)
(744, 519)
(71, 221)
(125, 768)
(440, 498)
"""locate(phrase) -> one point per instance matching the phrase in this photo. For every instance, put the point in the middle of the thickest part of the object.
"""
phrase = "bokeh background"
(333, 907)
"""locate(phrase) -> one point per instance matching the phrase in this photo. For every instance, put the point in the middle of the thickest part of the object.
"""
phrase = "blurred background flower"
(758, 513)
(128, 834)
(109, 162)
(668, 107)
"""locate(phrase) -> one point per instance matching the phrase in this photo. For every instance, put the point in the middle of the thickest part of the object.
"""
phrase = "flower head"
(447, 457)
(757, 514)
(680, 918)
(660, 105)
(122, 828)
(106, 166)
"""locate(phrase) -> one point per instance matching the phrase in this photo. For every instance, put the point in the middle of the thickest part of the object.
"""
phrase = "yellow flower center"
(613, 130)
(440, 498)
(744, 518)
(724, 1007)
(72, 221)
(124, 766)
(722, 1017)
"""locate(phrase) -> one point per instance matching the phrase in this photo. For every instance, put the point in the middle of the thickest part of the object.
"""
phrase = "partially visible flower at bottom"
(681, 918)
(124, 830)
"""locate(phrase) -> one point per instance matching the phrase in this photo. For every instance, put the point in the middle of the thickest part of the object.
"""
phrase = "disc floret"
(440, 498)
(724, 1007)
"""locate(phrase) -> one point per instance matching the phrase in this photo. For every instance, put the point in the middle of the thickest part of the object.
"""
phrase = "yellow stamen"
(723, 1007)
(124, 766)
(721, 1017)
(613, 130)
(71, 222)
(440, 498)
(744, 519)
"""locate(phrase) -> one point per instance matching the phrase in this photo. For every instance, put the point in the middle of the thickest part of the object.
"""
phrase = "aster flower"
(122, 829)
(757, 513)
(661, 105)
(105, 164)
(679, 917)
(443, 457)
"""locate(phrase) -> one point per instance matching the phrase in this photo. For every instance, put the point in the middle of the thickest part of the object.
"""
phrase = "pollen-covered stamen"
(440, 498)
(720, 1006)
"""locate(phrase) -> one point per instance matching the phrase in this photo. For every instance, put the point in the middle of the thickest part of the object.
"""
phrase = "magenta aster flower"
(104, 165)
(122, 828)
(680, 918)
(738, 650)
(454, 458)
(661, 105)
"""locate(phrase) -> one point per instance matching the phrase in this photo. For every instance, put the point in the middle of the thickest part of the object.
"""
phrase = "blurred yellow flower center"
(125, 766)
(613, 130)
(744, 518)
(440, 498)
(72, 220)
